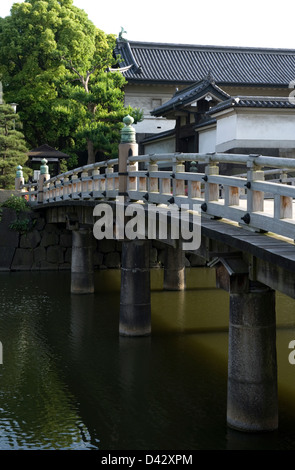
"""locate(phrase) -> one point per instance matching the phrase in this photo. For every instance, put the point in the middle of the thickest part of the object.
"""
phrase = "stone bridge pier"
(82, 268)
(252, 399)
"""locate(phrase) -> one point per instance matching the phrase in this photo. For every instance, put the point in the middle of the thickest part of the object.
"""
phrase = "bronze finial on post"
(19, 178)
(43, 177)
(127, 148)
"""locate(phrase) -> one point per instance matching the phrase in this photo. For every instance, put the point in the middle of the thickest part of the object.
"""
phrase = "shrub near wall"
(28, 243)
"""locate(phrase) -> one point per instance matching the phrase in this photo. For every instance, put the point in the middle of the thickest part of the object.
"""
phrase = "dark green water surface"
(69, 381)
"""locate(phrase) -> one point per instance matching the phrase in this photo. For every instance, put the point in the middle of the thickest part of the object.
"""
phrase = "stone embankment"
(49, 247)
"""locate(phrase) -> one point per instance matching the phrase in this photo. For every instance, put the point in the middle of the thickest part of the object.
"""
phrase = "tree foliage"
(12, 147)
(53, 64)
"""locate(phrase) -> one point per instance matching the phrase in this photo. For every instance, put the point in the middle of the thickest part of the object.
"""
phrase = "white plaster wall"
(226, 129)
(143, 97)
(256, 129)
(266, 126)
(162, 146)
(207, 140)
(151, 125)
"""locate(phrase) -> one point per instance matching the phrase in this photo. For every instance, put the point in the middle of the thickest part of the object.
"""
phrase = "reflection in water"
(69, 381)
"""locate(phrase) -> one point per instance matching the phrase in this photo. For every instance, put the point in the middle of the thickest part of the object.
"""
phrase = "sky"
(251, 23)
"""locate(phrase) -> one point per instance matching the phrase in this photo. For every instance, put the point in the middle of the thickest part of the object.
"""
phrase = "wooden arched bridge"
(245, 227)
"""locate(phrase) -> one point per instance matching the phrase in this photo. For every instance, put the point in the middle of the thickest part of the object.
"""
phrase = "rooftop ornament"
(121, 34)
(128, 132)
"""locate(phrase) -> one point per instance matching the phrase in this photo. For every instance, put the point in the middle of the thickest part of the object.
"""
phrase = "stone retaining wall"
(49, 247)
(7, 193)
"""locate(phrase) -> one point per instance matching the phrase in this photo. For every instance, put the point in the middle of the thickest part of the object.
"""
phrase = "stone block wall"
(49, 247)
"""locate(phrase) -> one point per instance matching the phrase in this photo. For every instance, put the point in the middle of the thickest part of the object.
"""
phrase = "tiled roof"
(46, 151)
(178, 63)
(252, 102)
(191, 94)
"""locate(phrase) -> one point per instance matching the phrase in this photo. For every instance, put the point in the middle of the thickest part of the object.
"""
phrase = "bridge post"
(135, 296)
(127, 148)
(19, 179)
(174, 268)
(252, 403)
(44, 176)
(82, 269)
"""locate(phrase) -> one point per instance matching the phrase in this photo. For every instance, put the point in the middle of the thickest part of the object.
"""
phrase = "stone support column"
(174, 268)
(135, 296)
(252, 368)
(82, 270)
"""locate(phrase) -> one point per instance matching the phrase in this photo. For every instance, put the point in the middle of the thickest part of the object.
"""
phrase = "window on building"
(156, 102)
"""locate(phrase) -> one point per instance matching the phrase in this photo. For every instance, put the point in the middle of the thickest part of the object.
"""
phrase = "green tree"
(53, 64)
(12, 147)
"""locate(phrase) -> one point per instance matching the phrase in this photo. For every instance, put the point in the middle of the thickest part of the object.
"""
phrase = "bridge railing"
(239, 198)
(87, 182)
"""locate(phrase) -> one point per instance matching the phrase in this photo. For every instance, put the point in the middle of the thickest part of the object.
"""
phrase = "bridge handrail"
(85, 168)
(258, 160)
(247, 199)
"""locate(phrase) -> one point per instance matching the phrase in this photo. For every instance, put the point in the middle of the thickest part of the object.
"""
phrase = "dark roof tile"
(252, 102)
(153, 62)
(190, 94)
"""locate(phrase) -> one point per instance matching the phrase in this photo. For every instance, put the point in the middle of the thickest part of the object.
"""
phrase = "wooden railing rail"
(239, 198)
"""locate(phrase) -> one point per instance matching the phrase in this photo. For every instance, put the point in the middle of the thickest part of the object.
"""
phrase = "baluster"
(283, 177)
(153, 183)
(46, 192)
(84, 185)
(70, 188)
(95, 180)
(142, 186)
(51, 191)
(255, 199)
(79, 186)
(109, 178)
(179, 185)
(231, 196)
(283, 207)
(116, 178)
(165, 185)
(58, 185)
(102, 182)
(74, 184)
(65, 189)
(132, 180)
(90, 182)
(211, 189)
(30, 193)
(194, 187)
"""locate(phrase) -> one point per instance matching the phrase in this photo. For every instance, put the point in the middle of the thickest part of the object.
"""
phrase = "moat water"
(69, 381)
